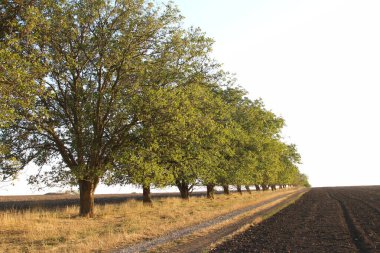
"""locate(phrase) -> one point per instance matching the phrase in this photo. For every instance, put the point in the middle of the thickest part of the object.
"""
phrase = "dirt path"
(342, 219)
(203, 242)
(200, 245)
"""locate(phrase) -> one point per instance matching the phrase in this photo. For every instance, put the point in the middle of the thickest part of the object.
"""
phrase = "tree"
(289, 159)
(228, 162)
(179, 146)
(268, 150)
(252, 127)
(217, 145)
(303, 180)
(96, 57)
(193, 141)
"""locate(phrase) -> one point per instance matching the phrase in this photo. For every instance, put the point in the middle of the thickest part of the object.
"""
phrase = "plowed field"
(340, 219)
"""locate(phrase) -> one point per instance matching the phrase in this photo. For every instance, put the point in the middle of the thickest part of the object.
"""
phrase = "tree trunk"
(273, 187)
(264, 187)
(184, 193)
(238, 188)
(147, 200)
(257, 187)
(226, 189)
(248, 190)
(210, 191)
(183, 188)
(86, 193)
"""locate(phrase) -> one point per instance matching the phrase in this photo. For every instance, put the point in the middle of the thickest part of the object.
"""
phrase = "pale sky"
(314, 62)
(317, 64)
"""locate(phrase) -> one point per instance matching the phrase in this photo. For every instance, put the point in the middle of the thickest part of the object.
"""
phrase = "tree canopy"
(118, 90)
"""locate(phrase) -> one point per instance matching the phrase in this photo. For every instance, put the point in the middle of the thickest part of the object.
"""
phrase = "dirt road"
(200, 244)
(342, 219)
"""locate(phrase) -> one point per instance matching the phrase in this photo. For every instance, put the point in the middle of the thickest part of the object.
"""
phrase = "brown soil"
(341, 219)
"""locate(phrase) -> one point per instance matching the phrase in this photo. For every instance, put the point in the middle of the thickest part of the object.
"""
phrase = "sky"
(315, 63)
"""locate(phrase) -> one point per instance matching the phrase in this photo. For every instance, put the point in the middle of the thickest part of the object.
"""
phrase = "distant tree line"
(119, 91)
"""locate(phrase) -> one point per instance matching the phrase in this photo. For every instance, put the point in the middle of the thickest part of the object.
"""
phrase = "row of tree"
(118, 91)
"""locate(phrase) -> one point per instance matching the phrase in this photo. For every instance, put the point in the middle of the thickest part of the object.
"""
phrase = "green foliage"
(21, 64)
(91, 64)
(121, 91)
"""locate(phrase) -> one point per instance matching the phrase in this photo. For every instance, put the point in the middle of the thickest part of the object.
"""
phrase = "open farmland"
(341, 219)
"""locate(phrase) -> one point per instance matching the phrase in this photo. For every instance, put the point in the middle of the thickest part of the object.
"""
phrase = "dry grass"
(115, 225)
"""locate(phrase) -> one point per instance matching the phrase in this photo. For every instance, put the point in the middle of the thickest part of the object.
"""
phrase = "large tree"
(91, 63)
